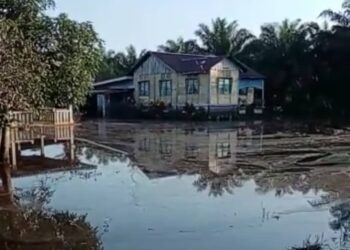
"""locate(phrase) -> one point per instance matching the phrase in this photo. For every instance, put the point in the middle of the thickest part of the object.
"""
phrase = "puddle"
(197, 186)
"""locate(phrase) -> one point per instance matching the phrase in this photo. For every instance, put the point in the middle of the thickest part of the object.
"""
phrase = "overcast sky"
(148, 23)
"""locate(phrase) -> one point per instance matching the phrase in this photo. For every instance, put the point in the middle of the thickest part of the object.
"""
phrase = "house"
(211, 82)
(111, 94)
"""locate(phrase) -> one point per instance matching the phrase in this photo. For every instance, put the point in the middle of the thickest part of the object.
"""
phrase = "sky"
(149, 23)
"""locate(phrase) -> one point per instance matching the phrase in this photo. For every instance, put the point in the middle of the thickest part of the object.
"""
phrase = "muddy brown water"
(248, 185)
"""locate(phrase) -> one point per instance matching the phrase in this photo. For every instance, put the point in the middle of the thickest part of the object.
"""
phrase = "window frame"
(165, 147)
(223, 90)
(187, 84)
(169, 89)
(143, 93)
(223, 150)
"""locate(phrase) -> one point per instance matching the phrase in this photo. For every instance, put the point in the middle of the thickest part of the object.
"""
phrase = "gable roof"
(195, 64)
(245, 72)
(183, 63)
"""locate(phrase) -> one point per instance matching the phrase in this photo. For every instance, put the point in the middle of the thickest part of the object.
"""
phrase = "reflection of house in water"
(250, 139)
(169, 151)
(222, 151)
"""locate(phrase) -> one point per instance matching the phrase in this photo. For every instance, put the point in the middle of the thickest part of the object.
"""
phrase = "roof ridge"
(184, 54)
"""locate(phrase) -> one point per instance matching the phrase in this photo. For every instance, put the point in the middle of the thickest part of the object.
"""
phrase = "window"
(145, 145)
(165, 88)
(224, 86)
(223, 150)
(192, 86)
(165, 147)
(144, 88)
(191, 152)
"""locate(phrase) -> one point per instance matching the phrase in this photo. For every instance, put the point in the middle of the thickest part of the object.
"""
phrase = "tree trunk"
(5, 169)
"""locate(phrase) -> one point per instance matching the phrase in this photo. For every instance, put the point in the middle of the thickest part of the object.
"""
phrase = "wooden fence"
(29, 135)
(63, 116)
(45, 117)
(20, 118)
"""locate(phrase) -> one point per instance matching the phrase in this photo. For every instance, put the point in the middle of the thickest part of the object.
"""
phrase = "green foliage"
(21, 70)
(306, 64)
(181, 46)
(282, 54)
(189, 109)
(74, 52)
(118, 64)
(342, 18)
(44, 60)
(223, 38)
(157, 108)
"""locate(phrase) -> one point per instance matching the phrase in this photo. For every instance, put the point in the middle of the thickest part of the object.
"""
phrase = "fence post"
(13, 149)
(54, 116)
(42, 146)
(71, 118)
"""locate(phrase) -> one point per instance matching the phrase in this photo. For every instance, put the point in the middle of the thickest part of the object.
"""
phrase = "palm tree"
(284, 36)
(126, 60)
(223, 38)
(118, 64)
(341, 18)
(334, 50)
(181, 46)
(282, 53)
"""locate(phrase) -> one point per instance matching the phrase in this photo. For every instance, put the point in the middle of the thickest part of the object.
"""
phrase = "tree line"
(306, 65)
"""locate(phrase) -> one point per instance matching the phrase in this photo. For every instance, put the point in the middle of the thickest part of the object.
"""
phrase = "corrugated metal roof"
(196, 64)
(113, 80)
(188, 64)
(124, 83)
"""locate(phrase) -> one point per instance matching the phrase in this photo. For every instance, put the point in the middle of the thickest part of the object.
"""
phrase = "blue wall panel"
(258, 84)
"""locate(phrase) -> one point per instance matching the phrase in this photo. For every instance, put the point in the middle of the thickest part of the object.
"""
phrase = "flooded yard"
(248, 185)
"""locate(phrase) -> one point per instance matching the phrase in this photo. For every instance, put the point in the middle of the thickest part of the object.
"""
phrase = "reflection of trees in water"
(103, 156)
(281, 184)
(218, 184)
(36, 229)
(317, 243)
(29, 224)
(284, 184)
(36, 197)
(341, 222)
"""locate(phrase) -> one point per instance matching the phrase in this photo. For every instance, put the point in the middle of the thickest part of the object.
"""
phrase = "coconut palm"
(181, 46)
(223, 38)
(341, 18)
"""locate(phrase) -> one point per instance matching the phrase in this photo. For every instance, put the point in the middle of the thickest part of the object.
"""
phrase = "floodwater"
(201, 186)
